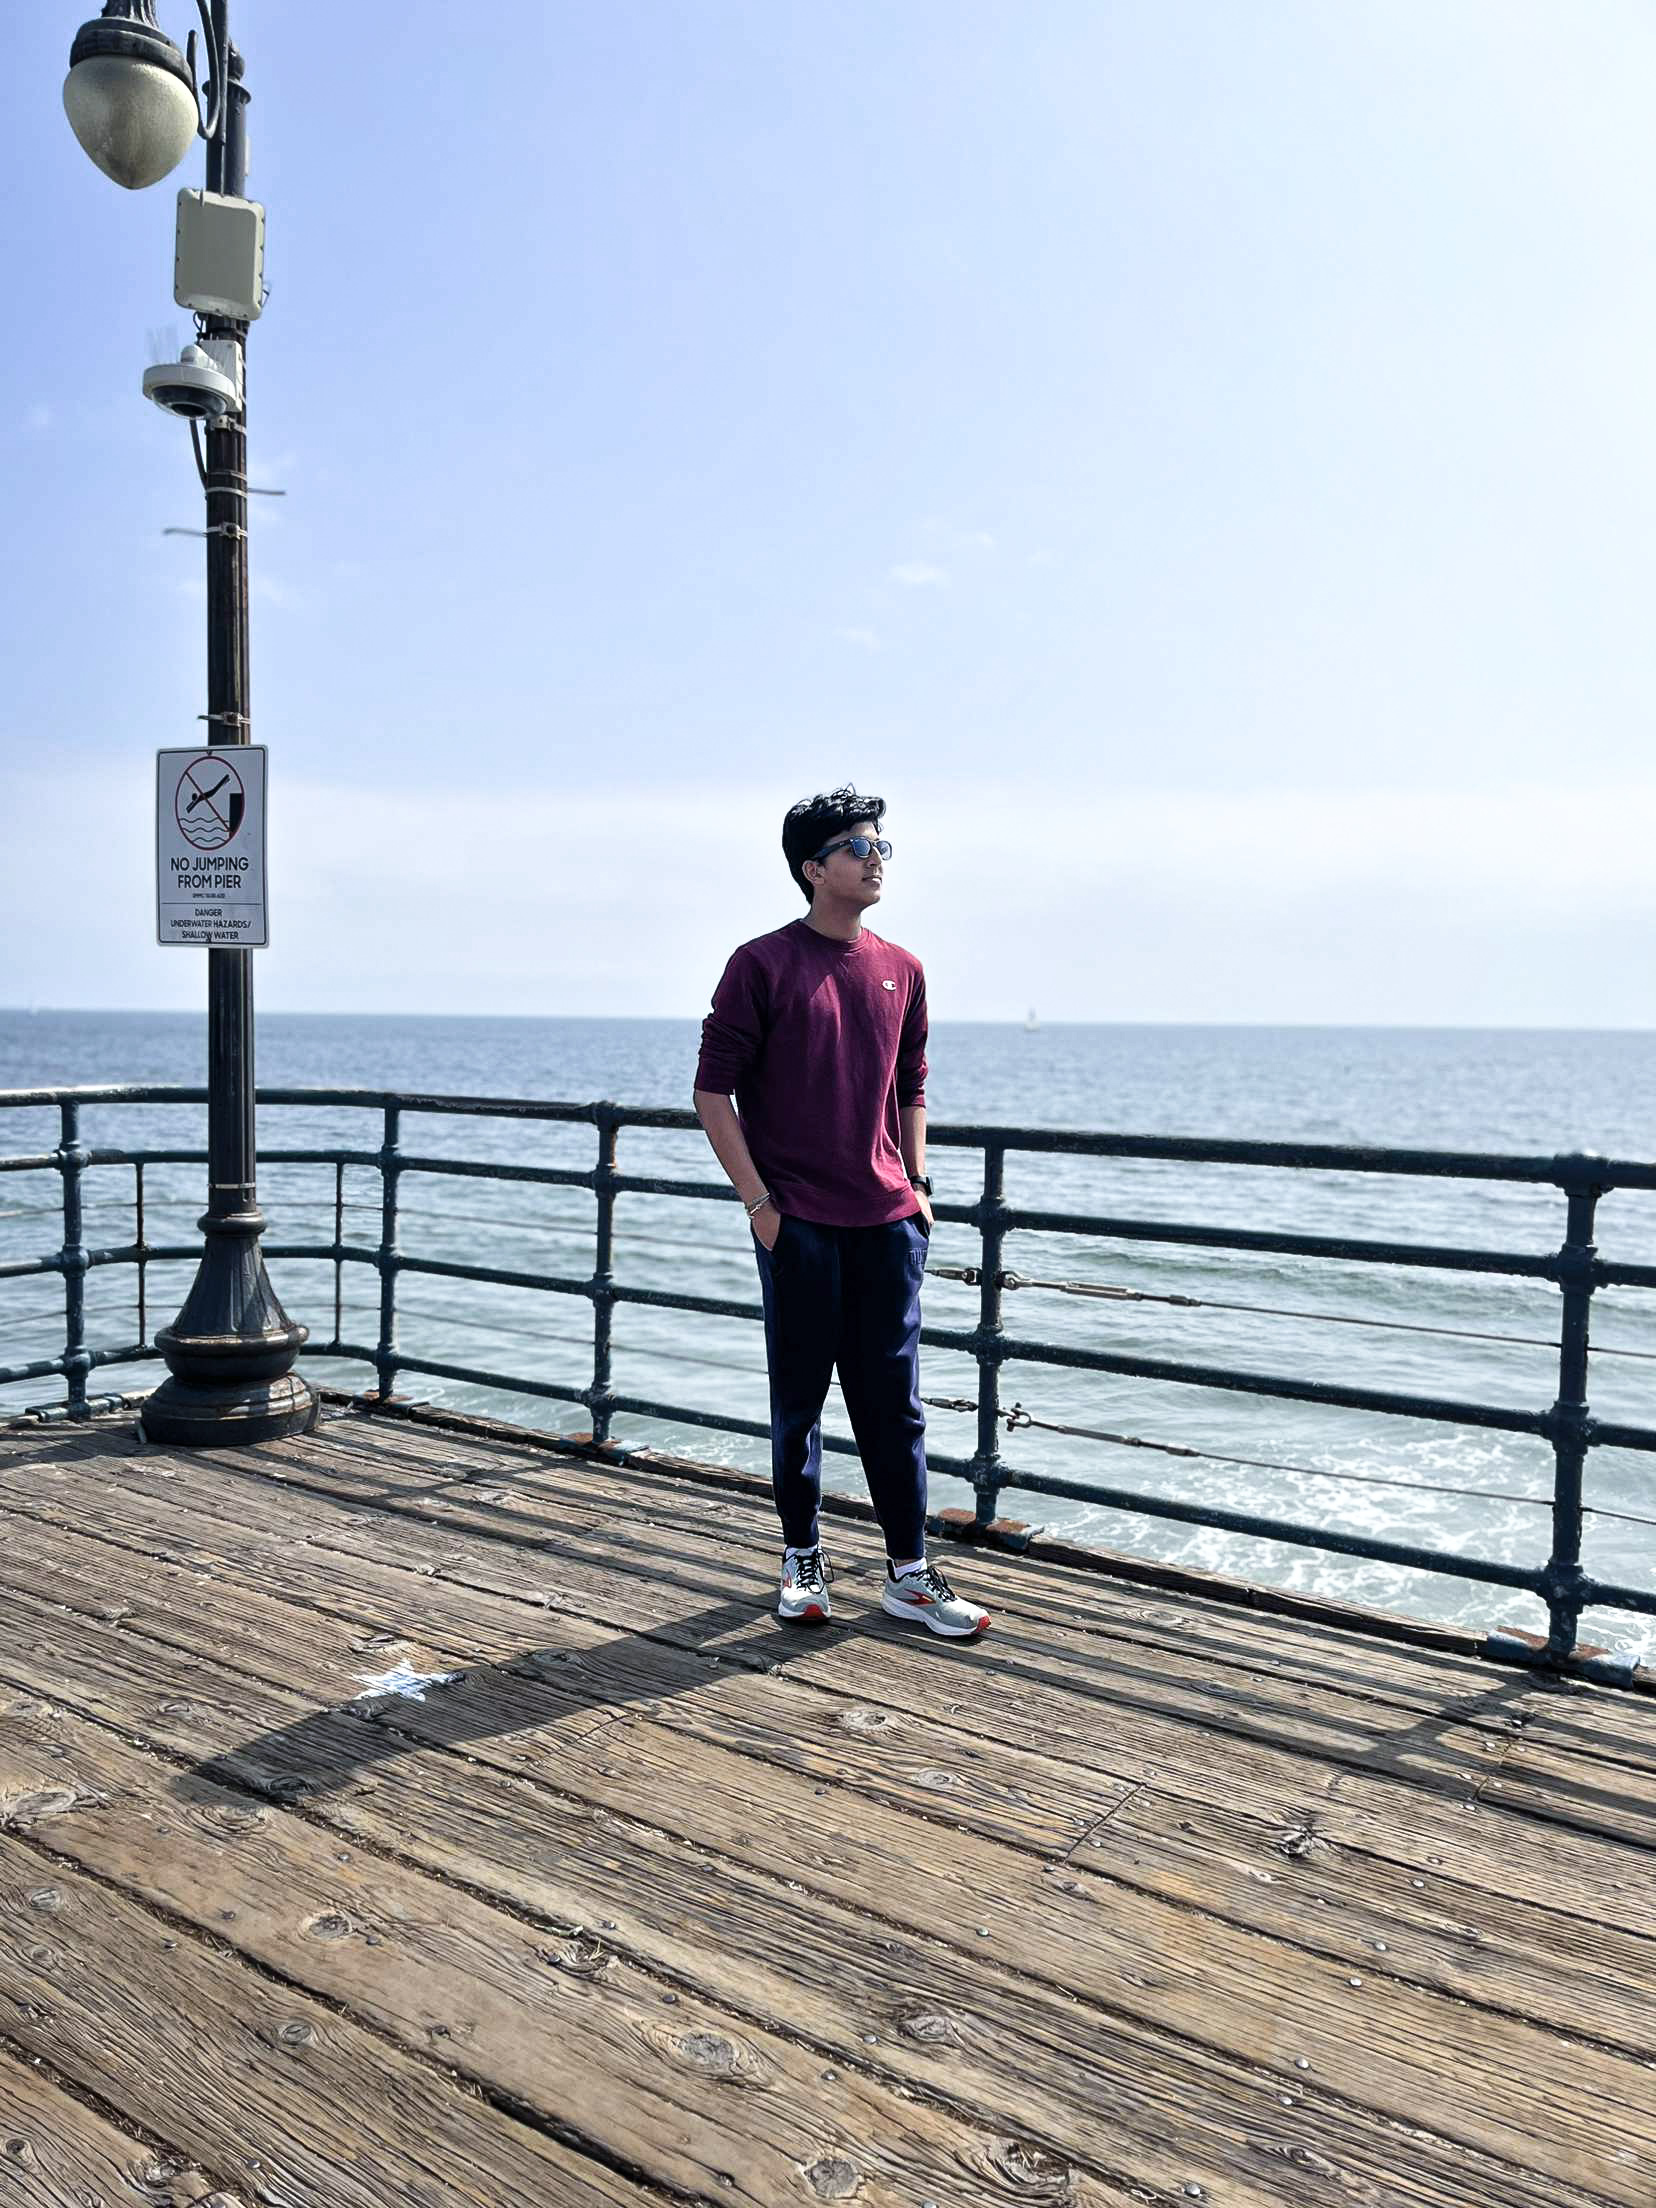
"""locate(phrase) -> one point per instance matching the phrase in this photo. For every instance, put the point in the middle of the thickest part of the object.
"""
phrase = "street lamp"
(131, 99)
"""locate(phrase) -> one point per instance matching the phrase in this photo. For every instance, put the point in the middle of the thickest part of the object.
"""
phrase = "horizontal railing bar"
(1442, 1258)
(1441, 1408)
(492, 1276)
(1621, 1598)
(1559, 1171)
(1604, 1434)
(1275, 1529)
(106, 1154)
(448, 1107)
(46, 1164)
(1563, 1170)
(11, 1375)
(329, 1253)
(553, 1176)
(41, 1369)
(19, 1268)
(472, 1376)
(640, 1406)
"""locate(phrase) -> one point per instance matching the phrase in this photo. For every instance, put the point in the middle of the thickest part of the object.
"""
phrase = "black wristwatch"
(921, 1181)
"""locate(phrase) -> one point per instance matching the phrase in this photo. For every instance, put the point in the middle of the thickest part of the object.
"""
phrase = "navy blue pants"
(847, 1297)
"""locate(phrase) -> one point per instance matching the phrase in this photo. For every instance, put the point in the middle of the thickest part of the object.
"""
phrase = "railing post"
(1568, 1421)
(141, 1245)
(390, 1165)
(339, 1259)
(77, 1360)
(986, 1467)
(599, 1395)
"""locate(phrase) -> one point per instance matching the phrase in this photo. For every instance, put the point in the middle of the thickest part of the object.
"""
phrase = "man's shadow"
(584, 1692)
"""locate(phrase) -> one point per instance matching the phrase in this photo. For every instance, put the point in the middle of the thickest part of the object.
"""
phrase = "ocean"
(1461, 1489)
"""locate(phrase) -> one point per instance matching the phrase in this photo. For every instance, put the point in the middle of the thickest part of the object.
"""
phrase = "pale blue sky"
(1197, 460)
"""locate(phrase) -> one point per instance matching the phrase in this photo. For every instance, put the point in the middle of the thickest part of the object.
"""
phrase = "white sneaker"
(922, 1595)
(804, 1596)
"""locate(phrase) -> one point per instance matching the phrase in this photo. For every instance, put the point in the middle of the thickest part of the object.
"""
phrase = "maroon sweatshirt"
(822, 1042)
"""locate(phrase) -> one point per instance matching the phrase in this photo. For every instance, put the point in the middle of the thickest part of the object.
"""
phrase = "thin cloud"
(868, 638)
(919, 575)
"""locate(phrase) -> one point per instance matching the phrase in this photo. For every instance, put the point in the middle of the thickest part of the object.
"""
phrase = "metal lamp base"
(192, 1415)
(230, 1351)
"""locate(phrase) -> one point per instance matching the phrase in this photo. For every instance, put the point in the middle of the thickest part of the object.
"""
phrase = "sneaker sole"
(815, 1615)
(911, 1614)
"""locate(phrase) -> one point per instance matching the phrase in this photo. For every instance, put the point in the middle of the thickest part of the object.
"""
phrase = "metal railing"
(1575, 1268)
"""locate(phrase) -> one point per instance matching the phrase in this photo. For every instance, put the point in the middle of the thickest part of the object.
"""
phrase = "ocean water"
(1461, 1489)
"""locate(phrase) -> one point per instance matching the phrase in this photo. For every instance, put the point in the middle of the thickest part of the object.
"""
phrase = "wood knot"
(936, 1782)
(46, 1801)
(17, 2149)
(861, 1719)
(1030, 2170)
(578, 1957)
(1301, 1839)
(332, 1926)
(708, 2051)
(933, 2027)
(295, 2033)
(833, 2178)
(233, 1817)
(47, 1898)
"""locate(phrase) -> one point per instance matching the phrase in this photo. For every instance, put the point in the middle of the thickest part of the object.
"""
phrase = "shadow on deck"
(1144, 1898)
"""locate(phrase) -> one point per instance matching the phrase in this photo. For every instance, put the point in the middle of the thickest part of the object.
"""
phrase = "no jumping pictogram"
(210, 801)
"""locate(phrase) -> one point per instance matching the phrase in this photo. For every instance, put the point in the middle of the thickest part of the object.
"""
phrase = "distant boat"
(1032, 1023)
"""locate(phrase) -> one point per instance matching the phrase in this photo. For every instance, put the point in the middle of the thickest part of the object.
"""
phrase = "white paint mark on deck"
(401, 1679)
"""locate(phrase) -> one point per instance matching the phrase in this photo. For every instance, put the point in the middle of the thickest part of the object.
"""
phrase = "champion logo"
(888, 985)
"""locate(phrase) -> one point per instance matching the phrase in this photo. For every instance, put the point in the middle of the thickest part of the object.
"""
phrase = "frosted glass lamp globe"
(128, 95)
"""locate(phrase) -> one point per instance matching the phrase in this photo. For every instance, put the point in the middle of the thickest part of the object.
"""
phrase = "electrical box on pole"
(219, 268)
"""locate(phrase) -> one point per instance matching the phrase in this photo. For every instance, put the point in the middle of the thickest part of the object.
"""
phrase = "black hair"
(815, 821)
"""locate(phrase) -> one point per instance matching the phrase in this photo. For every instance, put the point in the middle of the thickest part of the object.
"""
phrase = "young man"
(820, 1030)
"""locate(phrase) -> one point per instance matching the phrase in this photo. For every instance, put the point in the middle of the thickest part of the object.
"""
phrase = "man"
(820, 1030)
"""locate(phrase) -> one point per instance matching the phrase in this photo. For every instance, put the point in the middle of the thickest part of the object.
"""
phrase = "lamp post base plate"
(227, 1415)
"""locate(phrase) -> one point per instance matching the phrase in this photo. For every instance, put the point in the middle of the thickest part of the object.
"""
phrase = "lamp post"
(132, 102)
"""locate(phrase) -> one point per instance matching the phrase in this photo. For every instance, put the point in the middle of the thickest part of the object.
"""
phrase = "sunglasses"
(858, 846)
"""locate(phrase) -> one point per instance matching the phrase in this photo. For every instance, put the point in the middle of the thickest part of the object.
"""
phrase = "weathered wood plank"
(1316, 1725)
(385, 1459)
(682, 2090)
(1046, 1630)
(1371, 1816)
(372, 1455)
(255, 2080)
(1286, 1880)
(1570, 2111)
(1031, 1801)
(1220, 1666)
(968, 2029)
(55, 2151)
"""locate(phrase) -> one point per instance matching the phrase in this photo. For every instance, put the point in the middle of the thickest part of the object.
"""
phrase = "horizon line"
(623, 1019)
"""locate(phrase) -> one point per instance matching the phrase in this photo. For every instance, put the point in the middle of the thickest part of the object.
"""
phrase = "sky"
(1196, 462)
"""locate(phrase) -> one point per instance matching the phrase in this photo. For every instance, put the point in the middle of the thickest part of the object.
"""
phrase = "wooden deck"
(1143, 1899)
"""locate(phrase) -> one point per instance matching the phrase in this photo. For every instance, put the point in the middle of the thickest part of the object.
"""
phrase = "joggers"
(847, 1297)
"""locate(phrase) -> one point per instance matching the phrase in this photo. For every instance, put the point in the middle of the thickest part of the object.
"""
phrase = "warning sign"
(210, 848)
